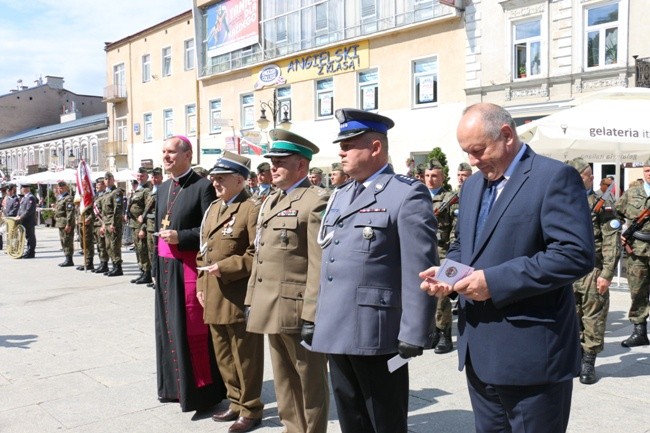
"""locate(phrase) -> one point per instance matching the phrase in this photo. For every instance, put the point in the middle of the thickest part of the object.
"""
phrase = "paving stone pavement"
(77, 355)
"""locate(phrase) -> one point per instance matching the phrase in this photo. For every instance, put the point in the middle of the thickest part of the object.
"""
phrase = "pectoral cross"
(165, 222)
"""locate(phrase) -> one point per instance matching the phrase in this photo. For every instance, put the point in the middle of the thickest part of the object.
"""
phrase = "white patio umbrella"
(50, 177)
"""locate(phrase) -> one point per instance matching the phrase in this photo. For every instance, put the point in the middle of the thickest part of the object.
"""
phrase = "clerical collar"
(178, 179)
(295, 185)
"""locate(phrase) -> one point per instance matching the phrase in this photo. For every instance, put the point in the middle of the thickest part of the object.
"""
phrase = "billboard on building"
(231, 25)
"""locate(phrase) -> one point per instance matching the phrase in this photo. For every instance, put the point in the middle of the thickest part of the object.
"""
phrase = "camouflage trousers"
(443, 306)
(114, 244)
(141, 251)
(67, 241)
(639, 282)
(592, 309)
(150, 245)
(100, 241)
(87, 245)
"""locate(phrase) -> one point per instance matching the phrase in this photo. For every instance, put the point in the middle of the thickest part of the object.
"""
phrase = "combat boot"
(444, 344)
(588, 368)
(145, 278)
(135, 280)
(67, 262)
(116, 271)
(103, 267)
(639, 337)
(88, 267)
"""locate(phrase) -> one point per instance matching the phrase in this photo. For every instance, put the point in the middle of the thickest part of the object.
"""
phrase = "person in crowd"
(112, 221)
(3, 195)
(86, 220)
(337, 175)
(369, 307)
(100, 239)
(434, 178)
(200, 171)
(592, 290)
(148, 217)
(251, 183)
(284, 283)
(264, 179)
(227, 250)
(186, 369)
(135, 212)
(316, 177)
(27, 218)
(418, 172)
(524, 236)
(65, 221)
(631, 205)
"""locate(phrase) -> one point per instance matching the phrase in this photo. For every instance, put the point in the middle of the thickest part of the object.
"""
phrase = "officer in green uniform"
(100, 240)
(631, 204)
(434, 179)
(464, 171)
(592, 290)
(86, 222)
(149, 215)
(112, 210)
(65, 222)
(135, 212)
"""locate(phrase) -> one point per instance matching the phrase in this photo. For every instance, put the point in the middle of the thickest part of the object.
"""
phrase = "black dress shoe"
(244, 424)
(227, 415)
(167, 400)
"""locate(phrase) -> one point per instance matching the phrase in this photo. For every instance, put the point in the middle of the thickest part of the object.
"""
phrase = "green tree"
(440, 156)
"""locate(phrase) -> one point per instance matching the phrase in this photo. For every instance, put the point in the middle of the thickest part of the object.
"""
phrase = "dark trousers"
(369, 399)
(508, 408)
(30, 238)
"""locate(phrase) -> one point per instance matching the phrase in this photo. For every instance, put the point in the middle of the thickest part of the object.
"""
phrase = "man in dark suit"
(27, 217)
(369, 307)
(518, 330)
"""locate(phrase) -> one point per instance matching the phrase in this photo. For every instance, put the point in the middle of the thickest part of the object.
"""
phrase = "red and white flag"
(84, 187)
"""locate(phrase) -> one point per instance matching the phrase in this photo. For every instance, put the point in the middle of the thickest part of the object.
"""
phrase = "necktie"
(223, 208)
(358, 189)
(487, 200)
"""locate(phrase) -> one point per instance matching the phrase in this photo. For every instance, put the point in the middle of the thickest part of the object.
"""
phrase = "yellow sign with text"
(316, 65)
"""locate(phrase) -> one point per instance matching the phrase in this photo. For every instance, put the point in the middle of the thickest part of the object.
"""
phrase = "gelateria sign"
(313, 66)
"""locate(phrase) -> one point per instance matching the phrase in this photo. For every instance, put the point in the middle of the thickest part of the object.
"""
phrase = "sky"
(65, 38)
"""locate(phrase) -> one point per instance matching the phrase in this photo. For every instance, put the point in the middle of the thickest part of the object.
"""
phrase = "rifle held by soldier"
(636, 225)
(445, 205)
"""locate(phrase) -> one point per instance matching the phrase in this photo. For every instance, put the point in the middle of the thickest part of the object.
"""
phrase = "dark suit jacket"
(537, 240)
(27, 210)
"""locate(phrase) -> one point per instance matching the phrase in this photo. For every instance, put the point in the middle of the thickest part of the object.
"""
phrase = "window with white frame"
(325, 98)
(168, 123)
(247, 111)
(601, 35)
(369, 89)
(527, 48)
(94, 154)
(120, 130)
(147, 121)
(146, 68)
(166, 61)
(189, 54)
(190, 119)
(284, 104)
(425, 81)
(215, 116)
(119, 79)
(41, 157)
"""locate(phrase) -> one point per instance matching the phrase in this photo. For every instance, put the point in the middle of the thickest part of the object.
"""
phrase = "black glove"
(406, 350)
(307, 331)
(247, 312)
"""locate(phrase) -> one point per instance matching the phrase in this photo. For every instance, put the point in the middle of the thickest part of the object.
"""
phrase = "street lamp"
(275, 108)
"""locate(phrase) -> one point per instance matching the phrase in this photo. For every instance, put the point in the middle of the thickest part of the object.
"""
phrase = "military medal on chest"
(227, 230)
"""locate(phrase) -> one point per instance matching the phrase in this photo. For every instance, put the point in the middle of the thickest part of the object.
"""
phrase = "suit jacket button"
(340, 224)
(265, 225)
(329, 278)
(210, 249)
(262, 243)
(331, 259)
(336, 242)
(259, 279)
(259, 261)
(382, 302)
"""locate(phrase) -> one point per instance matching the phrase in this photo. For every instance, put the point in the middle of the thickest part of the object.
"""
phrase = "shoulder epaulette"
(405, 179)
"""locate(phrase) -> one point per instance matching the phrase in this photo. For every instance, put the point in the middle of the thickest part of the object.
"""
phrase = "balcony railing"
(114, 148)
(114, 93)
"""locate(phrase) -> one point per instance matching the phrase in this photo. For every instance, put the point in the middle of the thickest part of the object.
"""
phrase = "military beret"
(252, 175)
(143, 170)
(108, 175)
(99, 179)
(433, 164)
(419, 169)
(265, 166)
(353, 122)
(337, 166)
(579, 164)
(200, 170)
(62, 183)
(315, 170)
(231, 163)
(3, 186)
(156, 171)
(463, 166)
(285, 143)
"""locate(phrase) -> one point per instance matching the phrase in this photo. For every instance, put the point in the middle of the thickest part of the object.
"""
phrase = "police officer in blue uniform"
(27, 217)
(377, 231)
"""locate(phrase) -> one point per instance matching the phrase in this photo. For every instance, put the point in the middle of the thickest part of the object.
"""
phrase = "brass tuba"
(15, 237)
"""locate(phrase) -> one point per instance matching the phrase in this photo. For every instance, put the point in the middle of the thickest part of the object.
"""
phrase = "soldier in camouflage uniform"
(592, 290)
(135, 212)
(634, 201)
(434, 179)
(149, 215)
(112, 210)
(86, 223)
(65, 221)
(100, 240)
(464, 172)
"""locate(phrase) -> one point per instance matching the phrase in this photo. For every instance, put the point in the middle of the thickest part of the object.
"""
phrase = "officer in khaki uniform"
(227, 250)
(149, 215)
(434, 178)
(135, 211)
(100, 239)
(592, 290)
(631, 204)
(112, 211)
(284, 283)
(65, 222)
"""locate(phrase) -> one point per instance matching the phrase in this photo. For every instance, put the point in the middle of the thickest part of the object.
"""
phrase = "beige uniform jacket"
(227, 240)
(284, 283)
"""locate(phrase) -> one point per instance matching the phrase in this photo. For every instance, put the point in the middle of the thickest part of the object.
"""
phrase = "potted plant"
(522, 72)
